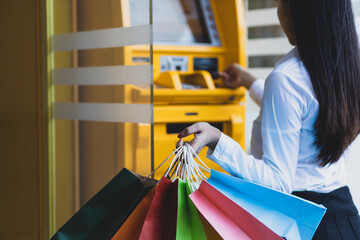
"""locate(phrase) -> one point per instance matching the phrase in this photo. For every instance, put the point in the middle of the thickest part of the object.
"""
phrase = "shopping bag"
(132, 226)
(229, 219)
(160, 221)
(189, 224)
(289, 216)
(210, 232)
(103, 214)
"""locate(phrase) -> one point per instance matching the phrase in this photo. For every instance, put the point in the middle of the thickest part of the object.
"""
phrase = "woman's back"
(299, 93)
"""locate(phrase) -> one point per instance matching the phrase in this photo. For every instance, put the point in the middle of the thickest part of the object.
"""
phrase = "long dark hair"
(328, 46)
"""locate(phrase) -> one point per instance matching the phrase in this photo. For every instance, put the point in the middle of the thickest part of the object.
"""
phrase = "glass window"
(101, 101)
(257, 4)
(264, 61)
(265, 32)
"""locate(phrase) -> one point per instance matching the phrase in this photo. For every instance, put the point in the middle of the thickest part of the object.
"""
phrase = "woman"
(309, 116)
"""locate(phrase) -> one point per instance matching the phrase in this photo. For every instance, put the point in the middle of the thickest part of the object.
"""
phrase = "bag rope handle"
(184, 166)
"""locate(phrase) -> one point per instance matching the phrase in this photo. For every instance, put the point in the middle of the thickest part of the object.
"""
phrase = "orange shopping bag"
(132, 226)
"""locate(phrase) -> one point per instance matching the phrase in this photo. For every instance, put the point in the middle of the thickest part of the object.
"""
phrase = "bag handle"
(185, 167)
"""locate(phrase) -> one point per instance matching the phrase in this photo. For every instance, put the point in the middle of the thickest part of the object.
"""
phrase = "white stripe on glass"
(104, 38)
(104, 112)
(109, 75)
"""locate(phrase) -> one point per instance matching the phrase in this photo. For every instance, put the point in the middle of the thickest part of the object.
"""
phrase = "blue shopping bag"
(288, 216)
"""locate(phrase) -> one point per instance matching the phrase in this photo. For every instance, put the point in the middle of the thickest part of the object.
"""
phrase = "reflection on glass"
(264, 61)
(178, 21)
(265, 32)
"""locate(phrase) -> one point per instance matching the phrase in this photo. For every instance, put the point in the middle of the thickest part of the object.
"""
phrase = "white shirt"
(283, 153)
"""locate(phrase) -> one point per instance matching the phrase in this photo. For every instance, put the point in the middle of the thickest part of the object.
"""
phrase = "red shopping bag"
(160, 221)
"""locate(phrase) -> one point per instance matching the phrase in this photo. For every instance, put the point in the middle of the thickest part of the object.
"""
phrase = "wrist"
(249, 81)
(216, 138)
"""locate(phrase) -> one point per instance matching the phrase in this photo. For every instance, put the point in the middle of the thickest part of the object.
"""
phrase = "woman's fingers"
(180, 143)
(197, 144)
(195, 128)
(204, 135)
(224, 76)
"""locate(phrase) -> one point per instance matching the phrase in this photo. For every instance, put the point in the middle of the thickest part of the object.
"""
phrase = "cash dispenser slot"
(175, 128)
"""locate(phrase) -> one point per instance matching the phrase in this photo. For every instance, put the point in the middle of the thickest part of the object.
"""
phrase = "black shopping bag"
(103, 214)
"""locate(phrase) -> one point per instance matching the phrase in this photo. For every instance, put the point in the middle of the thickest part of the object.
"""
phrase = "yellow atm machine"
(193, 41)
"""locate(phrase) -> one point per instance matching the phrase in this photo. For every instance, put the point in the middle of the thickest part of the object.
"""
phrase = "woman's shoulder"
(291, 74)
(290, 65)
(289, 82)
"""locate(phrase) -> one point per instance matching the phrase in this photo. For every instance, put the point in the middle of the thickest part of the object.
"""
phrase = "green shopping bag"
(103, 214)
(189, 224)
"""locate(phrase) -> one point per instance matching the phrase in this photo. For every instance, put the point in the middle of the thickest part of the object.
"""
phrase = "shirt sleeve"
(257, 90)
(280, 131)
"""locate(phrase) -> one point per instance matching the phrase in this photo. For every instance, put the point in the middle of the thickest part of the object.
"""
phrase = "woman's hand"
(204, 135)
(237, 76)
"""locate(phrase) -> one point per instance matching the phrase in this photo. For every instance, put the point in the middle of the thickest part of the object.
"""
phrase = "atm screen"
(180, 21)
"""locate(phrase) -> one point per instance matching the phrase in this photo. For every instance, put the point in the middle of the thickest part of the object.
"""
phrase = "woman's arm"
(257, 91)
(281, 123)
